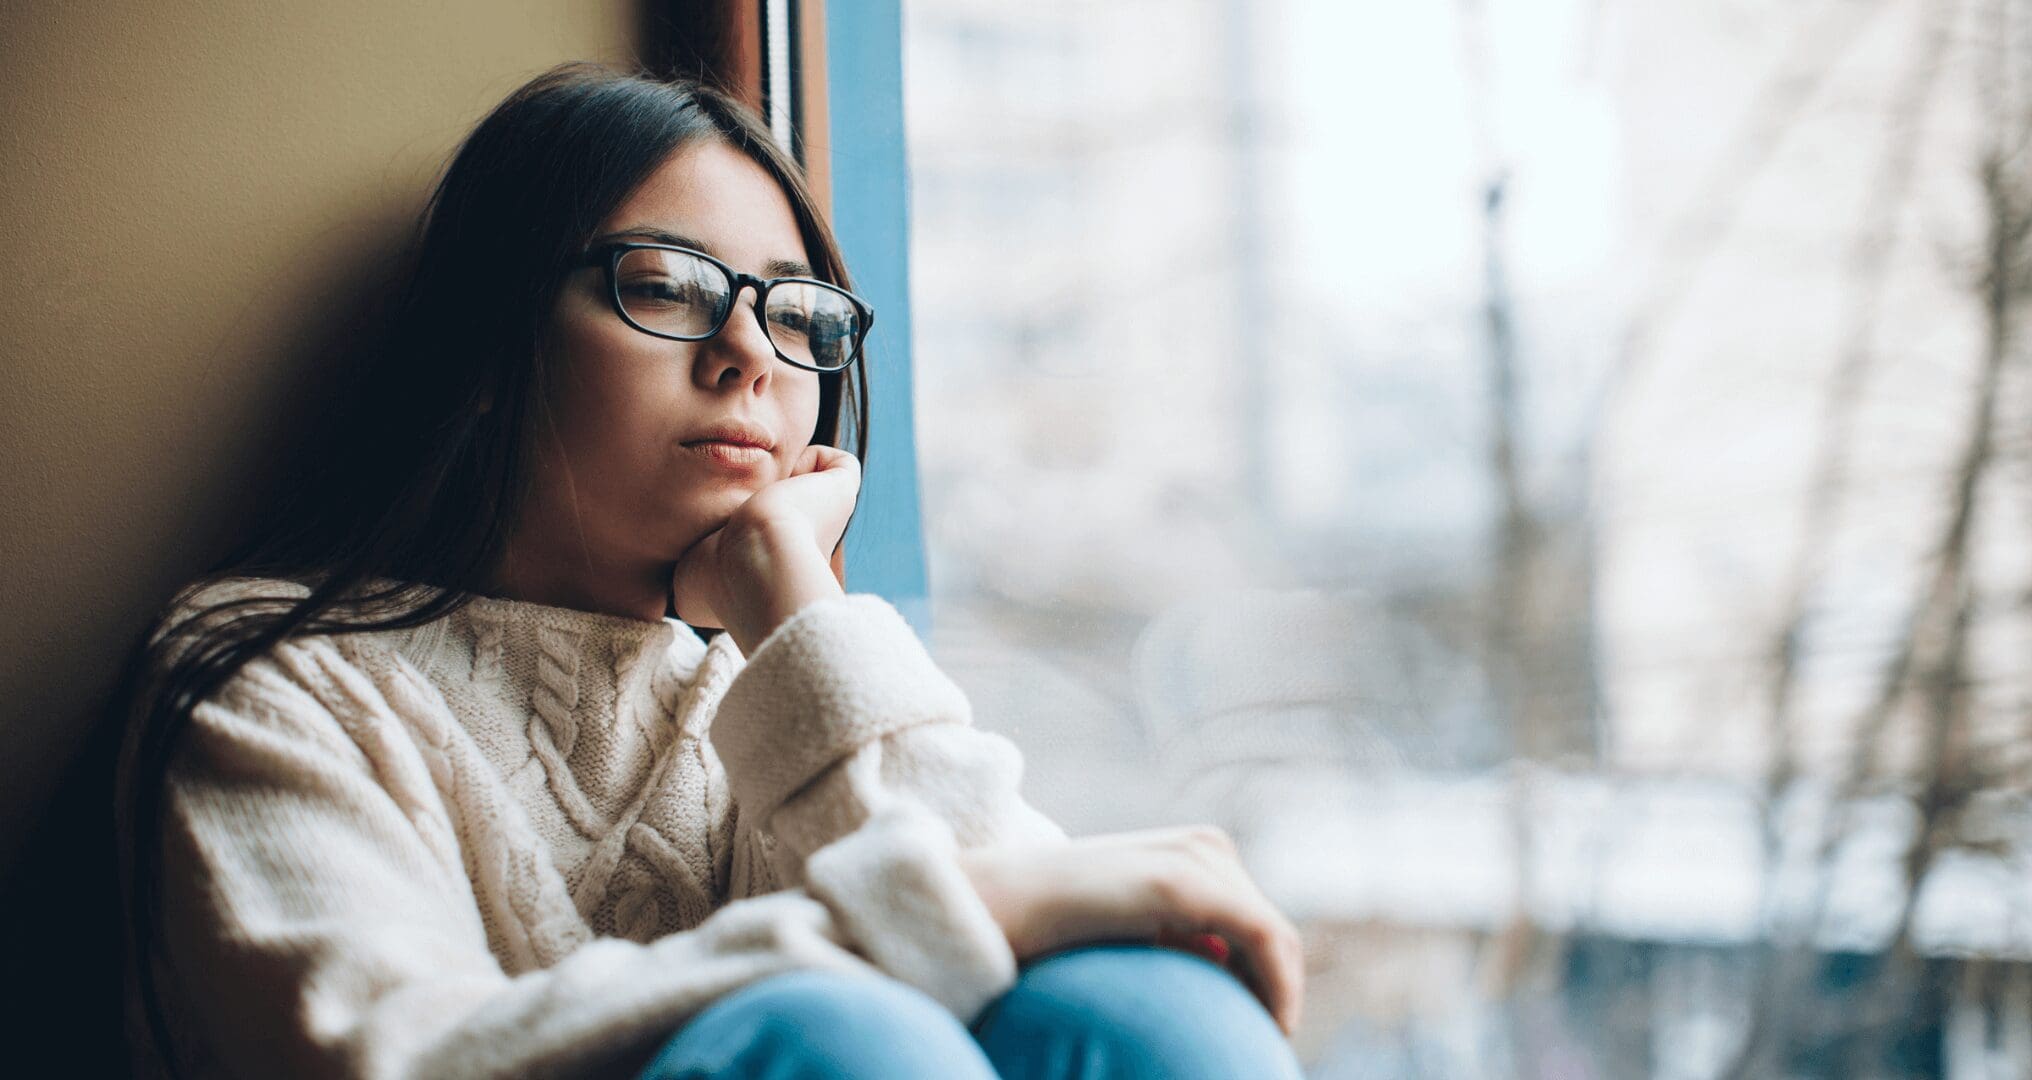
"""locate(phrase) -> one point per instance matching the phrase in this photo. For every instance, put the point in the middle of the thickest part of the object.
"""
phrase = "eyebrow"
(773, 268)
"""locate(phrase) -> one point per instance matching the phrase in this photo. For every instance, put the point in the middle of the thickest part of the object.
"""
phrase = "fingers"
(1269, 960)
(830, 511)
(821, 458)
(1217, 894)
(1212, 946)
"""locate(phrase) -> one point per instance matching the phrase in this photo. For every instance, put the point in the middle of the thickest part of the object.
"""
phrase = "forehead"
(715, 194)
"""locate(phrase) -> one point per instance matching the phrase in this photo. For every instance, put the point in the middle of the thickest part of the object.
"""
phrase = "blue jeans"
(1104, 1011)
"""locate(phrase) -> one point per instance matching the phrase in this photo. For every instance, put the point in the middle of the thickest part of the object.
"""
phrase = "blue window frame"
(871, 216)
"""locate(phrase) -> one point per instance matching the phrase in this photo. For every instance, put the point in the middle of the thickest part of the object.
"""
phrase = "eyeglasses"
(685, 295)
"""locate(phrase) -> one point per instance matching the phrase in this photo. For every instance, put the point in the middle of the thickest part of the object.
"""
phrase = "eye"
(790, 319)
(665, 290)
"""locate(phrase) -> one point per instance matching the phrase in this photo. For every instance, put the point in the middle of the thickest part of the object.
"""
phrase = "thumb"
(819, 457)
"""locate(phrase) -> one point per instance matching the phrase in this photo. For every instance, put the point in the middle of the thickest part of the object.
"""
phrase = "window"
(1409, 434)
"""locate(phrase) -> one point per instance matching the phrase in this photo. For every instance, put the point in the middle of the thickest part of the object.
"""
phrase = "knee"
(1133, 1010)
(820, 1025)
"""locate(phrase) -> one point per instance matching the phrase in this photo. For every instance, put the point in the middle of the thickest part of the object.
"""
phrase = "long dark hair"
(417, 486)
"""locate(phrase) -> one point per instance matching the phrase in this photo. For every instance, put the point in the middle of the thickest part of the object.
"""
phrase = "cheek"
(800, 397)
(604, 394)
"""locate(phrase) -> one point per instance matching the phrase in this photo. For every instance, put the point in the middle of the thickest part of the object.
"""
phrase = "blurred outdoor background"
(1549, 476)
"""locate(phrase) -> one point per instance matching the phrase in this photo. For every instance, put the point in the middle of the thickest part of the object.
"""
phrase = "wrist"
(982, 871)
(771, 573)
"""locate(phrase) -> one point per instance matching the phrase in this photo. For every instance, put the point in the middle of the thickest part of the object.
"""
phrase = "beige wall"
(186, 195)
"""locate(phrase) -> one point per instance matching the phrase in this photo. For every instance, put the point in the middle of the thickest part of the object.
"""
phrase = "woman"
(429, 782)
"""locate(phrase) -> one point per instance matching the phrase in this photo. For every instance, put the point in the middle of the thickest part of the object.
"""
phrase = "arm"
(841, 713)
(318, 921)
(856, 772)
(852, 761)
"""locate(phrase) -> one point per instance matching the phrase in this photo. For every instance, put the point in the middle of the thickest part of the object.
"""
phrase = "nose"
(740, 353)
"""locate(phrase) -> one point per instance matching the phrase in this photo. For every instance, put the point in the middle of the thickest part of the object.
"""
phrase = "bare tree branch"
(1710, 213)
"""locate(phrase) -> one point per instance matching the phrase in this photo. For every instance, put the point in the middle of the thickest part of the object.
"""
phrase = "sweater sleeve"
(318, 921)
(855, 766)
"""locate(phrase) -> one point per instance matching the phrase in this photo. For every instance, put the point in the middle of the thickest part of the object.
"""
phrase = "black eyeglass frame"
(609, 256)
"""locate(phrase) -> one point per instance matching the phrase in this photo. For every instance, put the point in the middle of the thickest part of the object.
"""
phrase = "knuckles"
(1211, 846)
(1172, 888)
(753, 533)
(1212, 837)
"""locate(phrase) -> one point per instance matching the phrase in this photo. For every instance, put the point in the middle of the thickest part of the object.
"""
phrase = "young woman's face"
(620, 491)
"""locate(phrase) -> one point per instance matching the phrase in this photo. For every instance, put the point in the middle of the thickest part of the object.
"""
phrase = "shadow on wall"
(59, 911)
(196, 138)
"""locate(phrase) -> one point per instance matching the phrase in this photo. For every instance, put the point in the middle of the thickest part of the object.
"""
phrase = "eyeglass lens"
(671, 292)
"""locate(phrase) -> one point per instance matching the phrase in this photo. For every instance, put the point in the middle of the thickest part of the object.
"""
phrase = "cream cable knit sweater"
(531, 841)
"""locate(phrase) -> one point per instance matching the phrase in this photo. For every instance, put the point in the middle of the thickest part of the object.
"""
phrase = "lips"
(734, 433)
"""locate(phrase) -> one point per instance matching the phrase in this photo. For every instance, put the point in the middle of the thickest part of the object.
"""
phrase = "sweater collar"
(592, 625)
(597, 633)
(495, 624)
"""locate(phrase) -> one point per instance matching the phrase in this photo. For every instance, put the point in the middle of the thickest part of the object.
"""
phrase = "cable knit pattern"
(557, 685)
(617, 840)
(629, 669)
(489, 644)
(553, 730)
(531, 841)
(896, 686)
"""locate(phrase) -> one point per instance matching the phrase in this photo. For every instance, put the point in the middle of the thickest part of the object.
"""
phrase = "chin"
(702, 512)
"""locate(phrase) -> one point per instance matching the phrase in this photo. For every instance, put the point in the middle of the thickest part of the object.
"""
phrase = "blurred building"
(1422, 437)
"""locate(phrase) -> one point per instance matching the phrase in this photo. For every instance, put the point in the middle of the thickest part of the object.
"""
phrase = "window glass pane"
(1549, 476)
